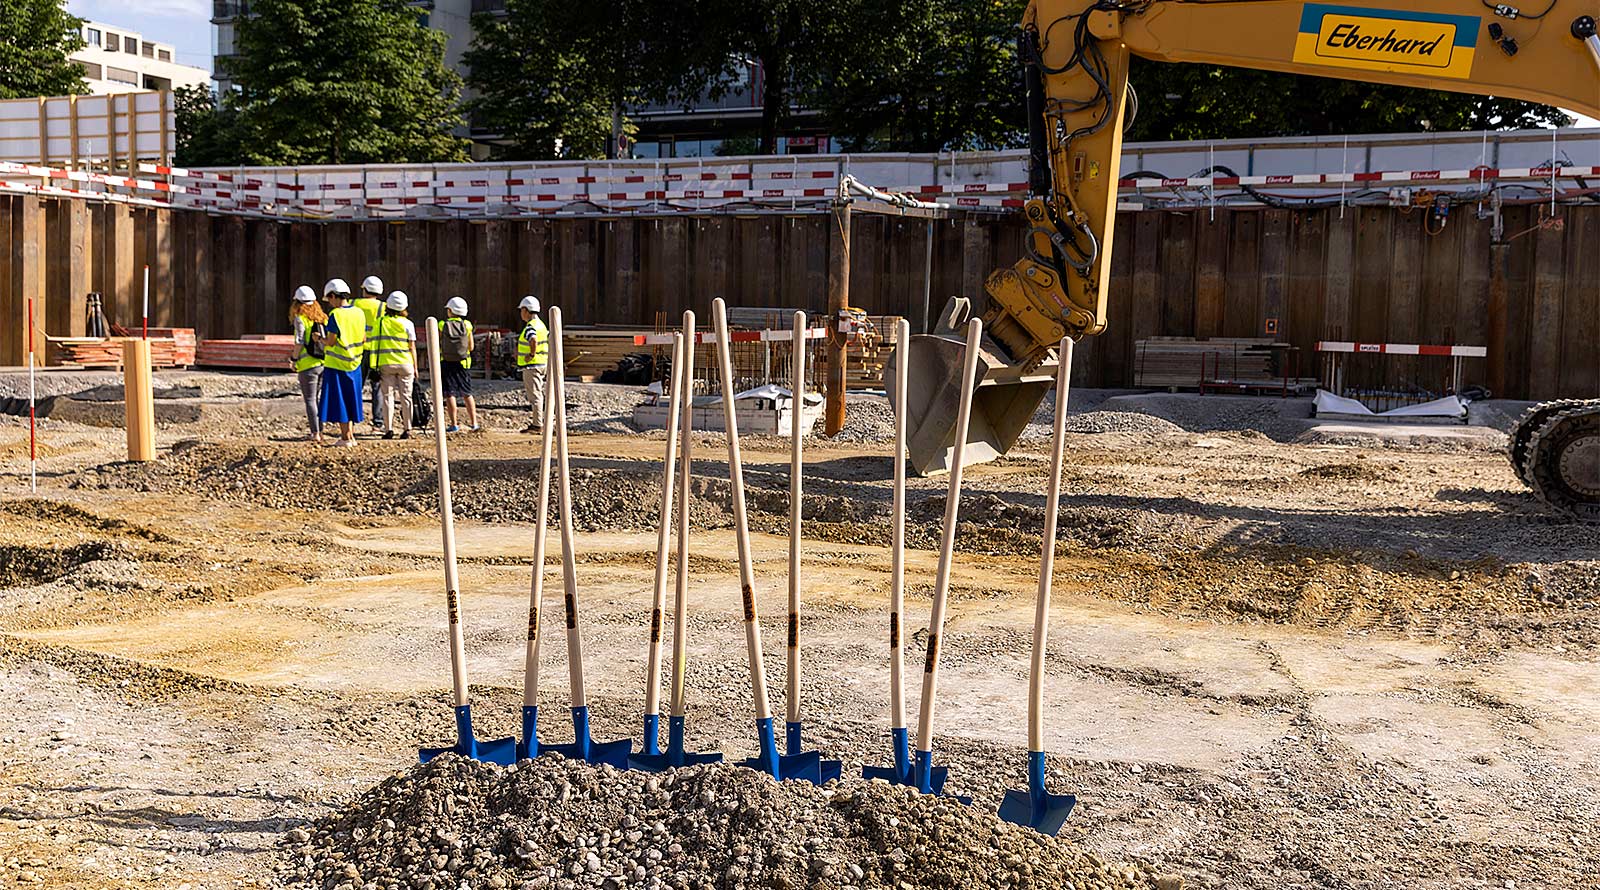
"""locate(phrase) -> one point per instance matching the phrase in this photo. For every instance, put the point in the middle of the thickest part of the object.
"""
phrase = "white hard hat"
(372, 284)
(529, 303)
(335, 286)
(398, 301)
(304, 294)
(456, 306)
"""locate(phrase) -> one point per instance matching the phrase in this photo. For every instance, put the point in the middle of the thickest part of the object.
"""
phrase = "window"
(90, 70)
(164, 55)
(94, 37)
(122, 75)
(113, 42)
(148, 50)
(130, 45)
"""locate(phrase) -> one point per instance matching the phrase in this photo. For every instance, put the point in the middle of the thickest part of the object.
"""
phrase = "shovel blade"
(1044, 813)
(497, 751)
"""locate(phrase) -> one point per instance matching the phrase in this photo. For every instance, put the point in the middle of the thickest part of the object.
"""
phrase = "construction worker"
(455, 363)
(394, 354)
(344, 352)
(370, 302)
(533, 354)
(309, 321)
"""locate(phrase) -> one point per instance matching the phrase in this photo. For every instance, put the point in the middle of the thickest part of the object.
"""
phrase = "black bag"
(454, 343)
(316, 348)
(421, 404)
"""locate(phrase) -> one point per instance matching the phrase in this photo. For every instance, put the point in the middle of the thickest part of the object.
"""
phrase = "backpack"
(421, 404)
(455, 343)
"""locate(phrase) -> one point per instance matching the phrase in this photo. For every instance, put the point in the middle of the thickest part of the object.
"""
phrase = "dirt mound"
(560, 824)
(22, 565)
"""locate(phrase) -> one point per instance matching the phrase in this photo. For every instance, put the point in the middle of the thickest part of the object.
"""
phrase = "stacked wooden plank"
(1182, 362)
(106, 352)
(257, 352)
(592, 351)
(867, 353)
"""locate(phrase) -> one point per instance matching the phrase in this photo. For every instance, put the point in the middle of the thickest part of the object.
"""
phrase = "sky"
(186, 24)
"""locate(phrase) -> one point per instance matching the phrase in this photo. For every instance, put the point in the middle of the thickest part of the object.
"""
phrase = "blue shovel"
(651, 757)
(807, 765)
(922, 767)
(501, 751)
(582, 747)
(828, 770)
(900, 772)
(528, 748)
(1036, 807)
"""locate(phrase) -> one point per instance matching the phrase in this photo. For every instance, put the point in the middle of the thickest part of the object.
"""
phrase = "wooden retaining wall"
(1369, 274)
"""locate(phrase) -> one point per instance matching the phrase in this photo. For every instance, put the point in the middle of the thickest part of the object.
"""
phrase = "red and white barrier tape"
(777, 336)
(1402, 349)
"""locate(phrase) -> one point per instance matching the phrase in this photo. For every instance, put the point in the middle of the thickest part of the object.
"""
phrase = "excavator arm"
(1077, 53)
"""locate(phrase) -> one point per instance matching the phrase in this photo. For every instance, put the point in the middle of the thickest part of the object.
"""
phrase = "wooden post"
(838, 301)
(1498, 311)
(139, 397)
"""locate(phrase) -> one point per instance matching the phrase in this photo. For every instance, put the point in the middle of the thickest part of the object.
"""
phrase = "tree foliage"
(925, 75)
(342, 82)
(551, 74)
(208, 132)
(35, 38)
(1179, 101)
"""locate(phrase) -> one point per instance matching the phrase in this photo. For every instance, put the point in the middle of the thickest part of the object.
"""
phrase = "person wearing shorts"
(455, 373)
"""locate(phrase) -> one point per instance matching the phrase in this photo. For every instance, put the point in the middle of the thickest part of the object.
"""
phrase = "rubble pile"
(560, 824)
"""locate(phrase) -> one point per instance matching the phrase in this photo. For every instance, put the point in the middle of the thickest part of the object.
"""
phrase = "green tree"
(924, 75)
(343, 82)
(789, 39)
(35, 38)
(1178, 101)
(208, 132)
(554, 77)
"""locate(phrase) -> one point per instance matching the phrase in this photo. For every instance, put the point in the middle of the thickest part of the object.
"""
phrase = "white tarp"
(1449, 406)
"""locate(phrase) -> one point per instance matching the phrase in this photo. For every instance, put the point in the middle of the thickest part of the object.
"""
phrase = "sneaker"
(473, 429)
(531, 428)
(406, 434)
(389, 434)
(452, 429)
(347, 443)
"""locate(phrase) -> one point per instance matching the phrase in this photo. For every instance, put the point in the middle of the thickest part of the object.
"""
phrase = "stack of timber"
(1243, 363)
(255, 352)
(594, 350)
(106, 352)
(867, 353)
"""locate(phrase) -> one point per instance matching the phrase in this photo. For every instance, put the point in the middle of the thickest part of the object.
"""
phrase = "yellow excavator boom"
(1077, 54)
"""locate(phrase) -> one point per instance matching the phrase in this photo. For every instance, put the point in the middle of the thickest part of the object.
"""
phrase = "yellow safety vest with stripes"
(391, 346)
(533, 344)
(345, 354)
(372, 309)
(303, 359)
(466, 364)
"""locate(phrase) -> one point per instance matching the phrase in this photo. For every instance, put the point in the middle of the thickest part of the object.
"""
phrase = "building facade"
(116, 59)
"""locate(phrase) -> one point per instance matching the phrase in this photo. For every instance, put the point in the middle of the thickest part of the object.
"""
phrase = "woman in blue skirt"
(341, 364)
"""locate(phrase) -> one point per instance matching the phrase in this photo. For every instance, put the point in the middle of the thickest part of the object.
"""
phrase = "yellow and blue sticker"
(1434, 44)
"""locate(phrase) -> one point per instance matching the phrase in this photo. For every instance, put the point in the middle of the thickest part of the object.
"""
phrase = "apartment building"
(116, 59)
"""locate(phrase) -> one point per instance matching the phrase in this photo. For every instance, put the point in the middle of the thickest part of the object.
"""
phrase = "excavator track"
(1527, 426)
(1563, 460)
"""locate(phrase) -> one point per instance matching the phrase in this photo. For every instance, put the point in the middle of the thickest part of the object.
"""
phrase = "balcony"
(228, 10)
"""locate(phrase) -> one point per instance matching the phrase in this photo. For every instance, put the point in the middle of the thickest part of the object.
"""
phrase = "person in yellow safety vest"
(370, 302)
(307, 320)
(455, 363)
(394, 354)
(344, 351)
(533, 355)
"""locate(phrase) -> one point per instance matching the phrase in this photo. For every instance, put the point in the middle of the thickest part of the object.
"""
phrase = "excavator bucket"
(1004, 402)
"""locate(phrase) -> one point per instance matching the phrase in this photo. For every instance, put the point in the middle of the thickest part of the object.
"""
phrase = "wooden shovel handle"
(947, 541)
(680, 600)
(658, 600)
(797, 388)
(569, 562)
(447, 527)
(897, 544)
(1047, 555)
(530, 667)
(741, 528)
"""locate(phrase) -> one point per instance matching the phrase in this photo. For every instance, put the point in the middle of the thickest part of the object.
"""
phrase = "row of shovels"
(1035, 806)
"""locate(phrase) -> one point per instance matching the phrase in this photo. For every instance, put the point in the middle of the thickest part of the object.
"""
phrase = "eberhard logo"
(1387, 40)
